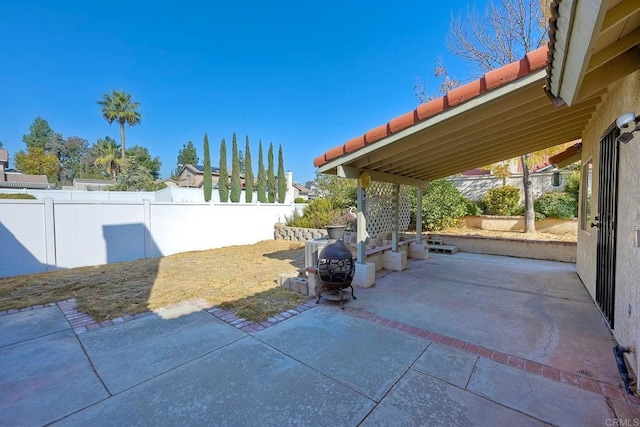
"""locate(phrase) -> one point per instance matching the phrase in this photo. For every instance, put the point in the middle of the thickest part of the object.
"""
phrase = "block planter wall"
(516, 223)
(297, 234)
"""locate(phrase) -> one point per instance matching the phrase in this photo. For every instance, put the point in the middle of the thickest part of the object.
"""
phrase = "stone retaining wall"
(297, 234)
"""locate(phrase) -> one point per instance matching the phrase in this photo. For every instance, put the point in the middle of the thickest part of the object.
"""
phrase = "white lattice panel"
(379, 209)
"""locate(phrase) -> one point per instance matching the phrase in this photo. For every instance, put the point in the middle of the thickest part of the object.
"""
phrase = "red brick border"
(612, 391)
(81, 322)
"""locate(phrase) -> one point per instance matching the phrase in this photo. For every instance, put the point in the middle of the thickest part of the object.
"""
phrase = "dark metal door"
(606, 223)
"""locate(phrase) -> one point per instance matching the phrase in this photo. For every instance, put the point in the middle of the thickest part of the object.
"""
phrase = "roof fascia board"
(560, 47)
(533, 78)
(354, 173)
(578, 42)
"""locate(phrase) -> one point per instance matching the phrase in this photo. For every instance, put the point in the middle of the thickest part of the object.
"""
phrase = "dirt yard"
(239, 278)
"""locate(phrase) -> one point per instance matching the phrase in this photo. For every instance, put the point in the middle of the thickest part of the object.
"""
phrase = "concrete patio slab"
(246, 383)
(446, 363)
(31, 324)
(540, 397)
(626, 414)
(45, 378)
(368, 358)
(537, 310)
(129, 353)
(421, 400)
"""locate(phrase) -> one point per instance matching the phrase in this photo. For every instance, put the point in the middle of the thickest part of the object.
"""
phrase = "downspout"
(618, 352)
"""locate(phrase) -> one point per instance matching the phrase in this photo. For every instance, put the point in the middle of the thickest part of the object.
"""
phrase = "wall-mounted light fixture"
(628, 123)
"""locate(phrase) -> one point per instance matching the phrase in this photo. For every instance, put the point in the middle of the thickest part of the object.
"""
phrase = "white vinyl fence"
(474, 187)
(43, 235)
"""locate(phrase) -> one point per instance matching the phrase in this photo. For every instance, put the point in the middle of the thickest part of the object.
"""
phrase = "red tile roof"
(533, 61)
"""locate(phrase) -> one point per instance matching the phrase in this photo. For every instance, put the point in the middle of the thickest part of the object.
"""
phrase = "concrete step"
(435, 242)
(443, 249)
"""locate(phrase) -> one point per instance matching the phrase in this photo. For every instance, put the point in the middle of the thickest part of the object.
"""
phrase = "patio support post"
(419, 215)
(361, 234)
(395, 223)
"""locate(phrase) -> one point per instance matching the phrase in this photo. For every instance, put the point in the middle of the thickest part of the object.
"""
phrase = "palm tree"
(119, 107)
(107, 156)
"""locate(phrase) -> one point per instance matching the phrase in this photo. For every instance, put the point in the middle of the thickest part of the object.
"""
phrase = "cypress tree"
(236, 187)
(262, 177)
(282, 181)
(271, 178)
(223, 181)
(248, 174)
(207, 180)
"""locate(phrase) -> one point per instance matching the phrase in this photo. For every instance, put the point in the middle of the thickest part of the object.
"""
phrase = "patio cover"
(545, 99)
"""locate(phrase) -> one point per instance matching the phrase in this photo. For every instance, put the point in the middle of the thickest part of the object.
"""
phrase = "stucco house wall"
(624, 96)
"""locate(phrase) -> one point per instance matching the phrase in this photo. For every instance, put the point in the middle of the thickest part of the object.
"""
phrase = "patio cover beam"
(354, 173)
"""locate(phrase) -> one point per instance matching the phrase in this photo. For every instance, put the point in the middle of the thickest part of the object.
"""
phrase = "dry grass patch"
(239, 278)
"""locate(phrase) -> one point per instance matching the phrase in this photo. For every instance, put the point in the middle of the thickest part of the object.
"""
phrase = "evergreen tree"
(207, 179)
(223, 181)
(143, 157)
(282, 181)
(39, 134)
(271, 178)
(236, 186)
(262, 177)
(187, 155)
(248, 174)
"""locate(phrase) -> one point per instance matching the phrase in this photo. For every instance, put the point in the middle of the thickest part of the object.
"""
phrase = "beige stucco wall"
(516, 223)
(624, 96)
(520, 248)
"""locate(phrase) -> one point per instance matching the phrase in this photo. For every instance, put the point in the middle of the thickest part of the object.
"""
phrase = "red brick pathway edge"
(612, 391)
(82, 322)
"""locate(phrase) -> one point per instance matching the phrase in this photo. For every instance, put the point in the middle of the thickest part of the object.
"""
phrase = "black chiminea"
(336, 267)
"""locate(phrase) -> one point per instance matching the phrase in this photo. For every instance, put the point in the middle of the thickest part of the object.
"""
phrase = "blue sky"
(307, 76)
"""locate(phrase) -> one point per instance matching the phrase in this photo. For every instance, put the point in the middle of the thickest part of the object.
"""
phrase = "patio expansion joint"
(607, 390)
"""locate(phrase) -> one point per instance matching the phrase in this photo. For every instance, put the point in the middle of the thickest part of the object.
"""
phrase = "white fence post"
(50, 233)
(146, 206)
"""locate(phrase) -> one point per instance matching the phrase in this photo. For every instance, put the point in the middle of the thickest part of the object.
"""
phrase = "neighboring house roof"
(301, 188)
(476, 172)
(4, 155)
(23, 177)
(198, 169)
(21, 180)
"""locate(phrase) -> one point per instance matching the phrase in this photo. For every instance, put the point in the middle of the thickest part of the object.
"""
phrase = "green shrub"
(442, 206)
(16, 196)
(558, 204)
(299, 200)
(474, 208)
(317, 214)
(572, 184)
(503, 200)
